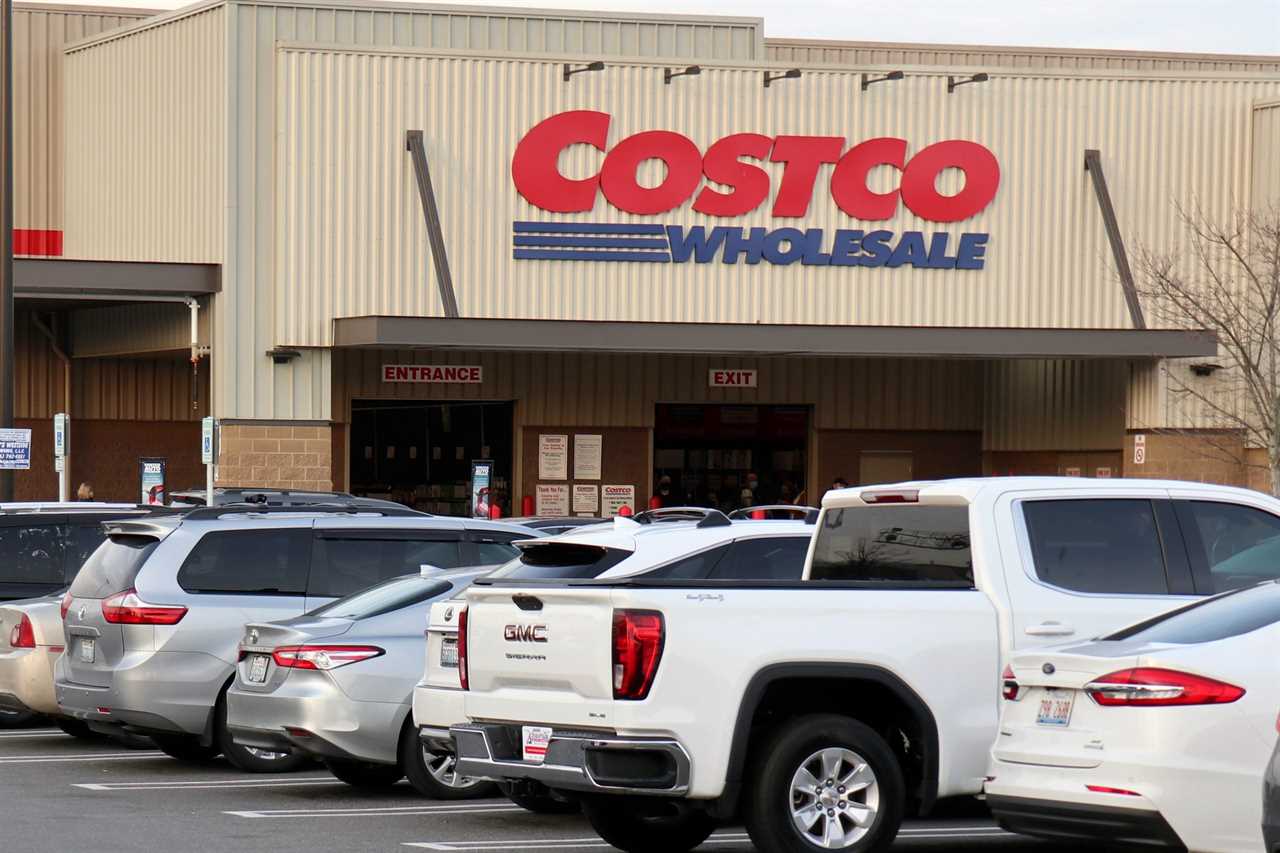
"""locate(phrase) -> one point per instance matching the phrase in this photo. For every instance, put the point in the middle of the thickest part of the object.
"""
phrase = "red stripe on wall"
(34, 241)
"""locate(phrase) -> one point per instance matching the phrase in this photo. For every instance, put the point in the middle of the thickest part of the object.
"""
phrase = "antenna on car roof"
(714, 518)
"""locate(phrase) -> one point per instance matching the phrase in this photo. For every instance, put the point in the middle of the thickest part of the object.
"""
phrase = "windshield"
(1229, 615)
(386, 597)
(114, 566)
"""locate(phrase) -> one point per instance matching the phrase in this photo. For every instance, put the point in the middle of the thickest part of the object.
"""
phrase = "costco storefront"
(693, 266)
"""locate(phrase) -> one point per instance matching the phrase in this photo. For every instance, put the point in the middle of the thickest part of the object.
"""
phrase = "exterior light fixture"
(867, 79)
(790, 74)
(283, 356)
(953, 82)
(691, 71)
(1205, 368)
(569, 70)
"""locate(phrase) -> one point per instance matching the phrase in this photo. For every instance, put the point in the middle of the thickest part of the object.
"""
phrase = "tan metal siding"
(823, 52)
(1168, 395)
(596, 389)
(1055, 405)
(134, 329)
(1266, 156)
(145, 153)
(352, 240)
(39, 33)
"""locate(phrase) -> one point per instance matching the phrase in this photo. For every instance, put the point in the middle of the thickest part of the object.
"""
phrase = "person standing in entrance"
(85, 492)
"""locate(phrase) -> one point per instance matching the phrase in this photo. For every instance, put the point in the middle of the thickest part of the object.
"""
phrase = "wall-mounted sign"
(15, 449)
(587, 450)
(151, 473)
(552, 500)
(586, 499)
(731, 378)
(463, 374)
(553, 457)
(725, 163)
(1139, 449)
(1103, 473)
(614, 498)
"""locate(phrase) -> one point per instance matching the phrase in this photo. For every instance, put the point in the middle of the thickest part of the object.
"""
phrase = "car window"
(694, 567)
(560, 561)
(1238, 612)
(395, 594)
(113, 567)
(1240, 545)
(342, 566)
(491, 553)
(81, 542)
(764, 558)
(1109, 545)
(31, 554)
(240, 562)
(927, 545)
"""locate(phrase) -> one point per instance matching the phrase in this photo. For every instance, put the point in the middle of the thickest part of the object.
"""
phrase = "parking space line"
(381, 811)
(205, 784)
(99, 756)
(958, 833)
(33, 733)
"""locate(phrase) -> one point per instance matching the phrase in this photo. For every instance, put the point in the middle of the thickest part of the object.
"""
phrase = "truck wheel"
(825, 782)
(534, 798)
(647, 826)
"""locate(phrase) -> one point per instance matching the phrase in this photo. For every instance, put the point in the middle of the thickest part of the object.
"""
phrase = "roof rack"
(704, 516)
(808, 513)
(216, 512)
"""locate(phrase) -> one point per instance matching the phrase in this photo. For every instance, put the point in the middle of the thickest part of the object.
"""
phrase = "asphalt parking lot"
(58, 794)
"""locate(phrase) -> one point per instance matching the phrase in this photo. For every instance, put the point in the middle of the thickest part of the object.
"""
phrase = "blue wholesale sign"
(15, 449)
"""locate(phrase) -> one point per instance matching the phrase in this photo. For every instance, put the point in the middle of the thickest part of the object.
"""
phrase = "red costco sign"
(458, 373)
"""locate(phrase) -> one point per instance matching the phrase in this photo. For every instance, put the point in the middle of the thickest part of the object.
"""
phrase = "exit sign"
(731, 378)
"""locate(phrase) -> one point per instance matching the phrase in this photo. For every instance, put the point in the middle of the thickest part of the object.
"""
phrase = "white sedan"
(1158, 734)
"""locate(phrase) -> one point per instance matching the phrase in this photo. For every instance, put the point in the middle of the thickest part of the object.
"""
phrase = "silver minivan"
(154, 619)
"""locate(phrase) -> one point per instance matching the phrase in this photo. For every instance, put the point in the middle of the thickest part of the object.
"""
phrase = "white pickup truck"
(821, 711)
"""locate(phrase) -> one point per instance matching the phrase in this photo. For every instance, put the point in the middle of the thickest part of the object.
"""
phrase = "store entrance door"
(729, 456)
(420, 453)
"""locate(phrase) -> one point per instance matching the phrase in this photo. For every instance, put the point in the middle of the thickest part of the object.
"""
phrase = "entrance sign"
(553, 500)
(586, 499)
(553, 457)
(481, 485)
(462, 374)
(15, 449)
(731, 378)
(614, 498)
(151, 473)
(587, 450)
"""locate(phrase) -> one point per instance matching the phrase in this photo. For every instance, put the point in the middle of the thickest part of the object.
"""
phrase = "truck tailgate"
(544, 652)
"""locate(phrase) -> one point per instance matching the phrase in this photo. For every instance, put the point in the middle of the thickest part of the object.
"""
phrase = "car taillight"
(126, 608)
(1010, 688)
(462, 650)
(638, 637)
(65, 605)
(323, 657)
(23, 636)
(1154, 687)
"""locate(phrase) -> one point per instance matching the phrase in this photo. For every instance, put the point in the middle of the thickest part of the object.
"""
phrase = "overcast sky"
(1201, 26)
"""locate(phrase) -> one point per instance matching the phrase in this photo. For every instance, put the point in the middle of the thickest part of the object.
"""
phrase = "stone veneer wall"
(277, 456)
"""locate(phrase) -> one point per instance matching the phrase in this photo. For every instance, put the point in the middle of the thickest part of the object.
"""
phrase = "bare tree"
(1227, 280)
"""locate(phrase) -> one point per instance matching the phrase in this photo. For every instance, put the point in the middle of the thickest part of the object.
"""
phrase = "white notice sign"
(15, 449)
(586, 456)
(615, 498)
(586, 499)
(553, 500)
(1139, 449)
(553, 458)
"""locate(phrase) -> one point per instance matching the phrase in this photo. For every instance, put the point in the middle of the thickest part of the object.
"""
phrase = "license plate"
(258, 668)
(536, 741)
(1055, 708)
(449, 653)
(88, 650)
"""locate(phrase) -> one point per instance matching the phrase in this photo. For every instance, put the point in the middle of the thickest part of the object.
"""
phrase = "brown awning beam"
(753, 339)
(50, 279)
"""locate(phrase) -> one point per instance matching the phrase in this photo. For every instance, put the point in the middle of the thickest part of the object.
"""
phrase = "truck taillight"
(23, 636)
(462, 649)
(638, 637)
(903, 496)
(1152, 687)
(126, 608)
(1010, 687)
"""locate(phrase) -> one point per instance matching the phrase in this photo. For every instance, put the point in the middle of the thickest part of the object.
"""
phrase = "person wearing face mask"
(663, 493)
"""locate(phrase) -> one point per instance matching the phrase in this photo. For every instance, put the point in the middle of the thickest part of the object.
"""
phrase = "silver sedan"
(337, 684)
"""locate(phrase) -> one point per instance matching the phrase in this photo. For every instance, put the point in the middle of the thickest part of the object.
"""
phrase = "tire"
(365, 774)
(17, 719)
(649, 825)
(247, 758)
(185, 748)
(76, 728)
(536, 800)
(840, 749)
(432, 775)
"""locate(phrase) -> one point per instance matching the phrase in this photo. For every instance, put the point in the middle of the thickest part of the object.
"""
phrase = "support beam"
(413, 141)
(1093, 165)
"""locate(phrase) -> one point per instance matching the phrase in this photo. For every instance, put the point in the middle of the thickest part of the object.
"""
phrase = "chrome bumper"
(576, 761)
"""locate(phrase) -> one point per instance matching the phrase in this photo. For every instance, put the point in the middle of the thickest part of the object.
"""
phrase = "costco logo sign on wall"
(736, 187)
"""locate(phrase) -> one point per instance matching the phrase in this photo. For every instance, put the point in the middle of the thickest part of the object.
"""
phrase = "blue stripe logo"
(590, 241)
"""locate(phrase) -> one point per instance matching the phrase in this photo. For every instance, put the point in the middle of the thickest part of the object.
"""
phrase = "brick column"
(275, 455)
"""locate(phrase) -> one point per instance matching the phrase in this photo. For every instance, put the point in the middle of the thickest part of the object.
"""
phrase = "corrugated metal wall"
(581, 389)
(134, 329)
(145, 144)
(820, 52)
(1168, 395)
(1266, 156)
(39, 33)
(1055, 405)
(352, 239)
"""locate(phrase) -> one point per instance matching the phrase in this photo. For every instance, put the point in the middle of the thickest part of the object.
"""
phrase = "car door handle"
(1050, 629)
